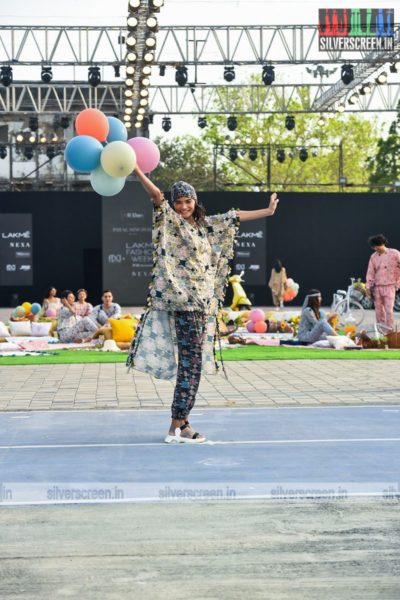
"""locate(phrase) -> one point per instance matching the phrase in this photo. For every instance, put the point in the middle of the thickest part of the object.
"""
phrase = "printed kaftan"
(191, 265)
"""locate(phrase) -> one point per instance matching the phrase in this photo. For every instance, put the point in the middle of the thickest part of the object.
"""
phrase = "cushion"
(4, 332)
(41, 329)
(20, 328)
(123, 330)
(340, 342)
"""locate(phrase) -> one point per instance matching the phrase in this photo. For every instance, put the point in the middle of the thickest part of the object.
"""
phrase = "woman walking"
(191, 264)
(277, 283)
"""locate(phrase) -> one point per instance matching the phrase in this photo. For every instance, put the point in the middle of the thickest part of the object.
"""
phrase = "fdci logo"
(356, 29)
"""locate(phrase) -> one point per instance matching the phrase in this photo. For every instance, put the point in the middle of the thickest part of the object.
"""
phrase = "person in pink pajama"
(383, 279)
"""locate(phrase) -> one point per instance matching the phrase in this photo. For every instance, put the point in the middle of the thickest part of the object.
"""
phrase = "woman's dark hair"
(81, 290)
(66, 293)
(313, 302)
(378, 240)
(278, 265)
(48, 290)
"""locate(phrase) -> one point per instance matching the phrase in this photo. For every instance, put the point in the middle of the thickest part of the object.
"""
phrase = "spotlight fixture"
(162, 70)
(149, 57)
(33, 123)
(132, 23)
(347, 74)
(3, 152)
(139, 117)
(54, 138)
(6, 75)
(229, 74)
(146, 70)
(321, 121)
(181, 75)
(280, 155)
(145, 81)
(129, 82)
(131, 57)
(341, 107)
(128, 102)
(290, 122)
(94, 77)
(28, 152)
(152, 23)
(128, 110)
(202, 122)
(260, 139)
(150, 40)
(233, 153)
(65, 121)
(144, 93)
(395, 67)
(231, 123)
(127, 118)
(43, 139)
(128, 93)
(353, 98)
(365, 89)
(46, 75)
(155, 5)
(141, 111)
(32, 138)
(253, 154)
(130, 70)
(248, 140)
(143, 102)
(131, 41)
(303, 154)
(19, 138)
(117, 71)
(268, 74)
(134, 4)
(382, 78)
(138, 124)
(128, 125)
(166, 123)
(50, 152)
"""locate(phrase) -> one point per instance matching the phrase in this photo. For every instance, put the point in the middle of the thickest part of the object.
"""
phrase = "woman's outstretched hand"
(273, 203)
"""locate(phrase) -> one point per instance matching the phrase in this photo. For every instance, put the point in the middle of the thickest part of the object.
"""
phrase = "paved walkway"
(250, 383)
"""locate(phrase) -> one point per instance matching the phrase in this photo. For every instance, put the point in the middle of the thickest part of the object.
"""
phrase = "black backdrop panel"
(127, 245)
(16, 249)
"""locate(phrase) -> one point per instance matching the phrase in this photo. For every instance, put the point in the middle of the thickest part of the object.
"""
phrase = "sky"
(176, 12)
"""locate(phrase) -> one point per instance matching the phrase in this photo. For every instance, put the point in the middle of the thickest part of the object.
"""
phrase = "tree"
(385, 165)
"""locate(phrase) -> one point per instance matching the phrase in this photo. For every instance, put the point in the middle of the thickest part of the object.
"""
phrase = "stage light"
(253, 154)
(32, 138)
(149, 57)
(353, 98)
(132, 23)
(46, 75)
(162, 70)
(19, 138)
(341, 107)
(395, 67)
(141, 111)
(3, 152)
(6, 75)
(260, 139)
(365, 89)
(131, 57)
(145, 81)
(303, 154)
(50, 152)
(28, 152)
(268, 75)
(128, 102)
(382, 78)
(54, 138)
(128, 125)
(166, 124)
(144, 93)
(237, 141)
(152, 22)
(129, 82)
(130, 70)
(290, 122)
(127, 118)
(321, 121)
(233, 153)
(128, 111)
(43, 139)
(150, 40)
(248, 140)
(138, 124)
(181, 75)
(94, 77)
(131, 41)
(139, 117)
(229, 74)
(33, 123)
(280, 155)
(134, 4)
(347, 74)
(143, 102)
(202, 122)
(231, 123)
(128, 93)
(146, 70)
(155, 5)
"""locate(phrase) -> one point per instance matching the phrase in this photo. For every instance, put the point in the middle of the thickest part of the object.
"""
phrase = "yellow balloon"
(118, 159)
(27, 307)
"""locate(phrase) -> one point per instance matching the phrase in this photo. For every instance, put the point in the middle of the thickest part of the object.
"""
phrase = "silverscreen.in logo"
(356, 29)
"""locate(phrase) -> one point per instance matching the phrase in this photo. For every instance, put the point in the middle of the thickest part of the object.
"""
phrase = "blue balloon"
(35, 308)
(104, 184)
(118, 131)
(83, 153)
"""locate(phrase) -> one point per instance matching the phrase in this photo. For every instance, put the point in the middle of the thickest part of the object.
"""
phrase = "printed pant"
(319, 332)
(190, 332)
(384, 296)
(83, 329)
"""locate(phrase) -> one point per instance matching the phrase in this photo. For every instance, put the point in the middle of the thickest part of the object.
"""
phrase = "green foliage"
(385, 165)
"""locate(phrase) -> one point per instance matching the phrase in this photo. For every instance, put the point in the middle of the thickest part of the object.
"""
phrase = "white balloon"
(118, 159)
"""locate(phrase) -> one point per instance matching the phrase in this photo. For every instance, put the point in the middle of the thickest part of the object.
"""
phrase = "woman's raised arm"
(251, 215)
(156, 194)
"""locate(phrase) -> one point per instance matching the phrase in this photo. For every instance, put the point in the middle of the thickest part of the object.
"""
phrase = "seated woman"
(314, 326)
(82, 308)
(51, 301)
(71, 327)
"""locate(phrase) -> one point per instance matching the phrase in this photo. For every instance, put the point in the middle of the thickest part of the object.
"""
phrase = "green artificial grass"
(242, 353)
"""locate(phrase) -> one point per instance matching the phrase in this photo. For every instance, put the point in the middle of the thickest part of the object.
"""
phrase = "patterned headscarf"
(182, 189)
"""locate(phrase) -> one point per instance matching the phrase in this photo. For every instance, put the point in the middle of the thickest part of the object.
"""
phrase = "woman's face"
(71, 299)
(185, 206)
(53, 292)
(82, 296)
(319, 301)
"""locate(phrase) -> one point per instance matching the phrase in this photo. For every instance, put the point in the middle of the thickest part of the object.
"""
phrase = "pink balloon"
(250, 326)
(50, 312)
(257, 315)
(289, 282)
(147, 153)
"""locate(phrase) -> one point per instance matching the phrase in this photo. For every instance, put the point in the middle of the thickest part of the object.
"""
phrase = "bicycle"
(347, 305)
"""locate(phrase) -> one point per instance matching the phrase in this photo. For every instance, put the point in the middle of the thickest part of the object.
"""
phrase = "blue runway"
(62, 456)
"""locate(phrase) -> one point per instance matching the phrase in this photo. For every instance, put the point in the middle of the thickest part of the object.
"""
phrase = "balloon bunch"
(102, 149)
(26, 311)
(291, 291)
(257, 323)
